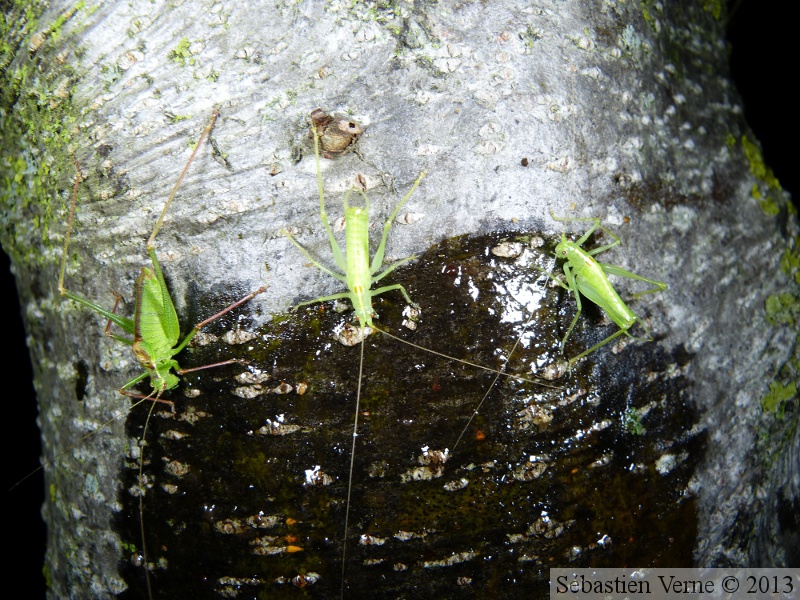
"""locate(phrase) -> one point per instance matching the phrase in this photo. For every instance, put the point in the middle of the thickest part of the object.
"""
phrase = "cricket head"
(362, 304)
(161, 376)
(350, 210)
(565, 248)
(162, 379)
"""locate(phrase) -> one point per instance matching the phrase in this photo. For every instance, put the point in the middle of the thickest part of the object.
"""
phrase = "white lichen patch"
(282, 388)
(560, 165)
(427, 473)
(229, 526)
(365, 34)
(245, 52)
(267, 546)
(433, 457)
(406, 536)
(371, 540)
(667, 462)
(378, 469)
(235, 525)
(350, 335)
(423, 97)
(230, 587)
(554, 370)
(252, 376)
(447, 65)
(237, 337)
(455, 559)
(191, 415)
(304, 580)
(248, 392)
(547, 528)
(486, 98)
(409, 218)
(456, 484)
(202, 338)
(278, 427)
(534, 415)
(507, 249)
(603, 461)
(317, 477)
(129, 59)
(176, 468)
(531, 469)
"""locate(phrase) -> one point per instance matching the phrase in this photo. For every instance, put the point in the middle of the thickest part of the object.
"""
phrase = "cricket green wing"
(607, 298)
(155, 320)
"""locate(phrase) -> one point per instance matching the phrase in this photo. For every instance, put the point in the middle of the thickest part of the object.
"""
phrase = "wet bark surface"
(589, 469)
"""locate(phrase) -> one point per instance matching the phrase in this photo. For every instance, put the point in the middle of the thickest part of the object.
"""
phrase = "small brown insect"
(337, 134)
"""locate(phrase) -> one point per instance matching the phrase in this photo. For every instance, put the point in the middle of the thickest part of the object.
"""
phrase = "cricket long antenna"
(206, 131)
(153, 398)
(519, 338)
(143, 487)
(319, 171)
(71, 446)
(78, 179)
(530, 319)
(494, 381)
(352, 465)
(498, 372)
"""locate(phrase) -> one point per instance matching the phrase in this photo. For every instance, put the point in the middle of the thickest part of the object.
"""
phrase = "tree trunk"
(675, 452)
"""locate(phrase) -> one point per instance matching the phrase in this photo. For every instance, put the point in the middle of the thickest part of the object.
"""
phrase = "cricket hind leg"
(117, 300)
(141, 398)
(229, 308)
(573, 287)
(314, 261)
(610, 338)
(338, 255)
(391, 268)
(395, 286)
(377, 260)
(214, 317)
(339, 296)
(648, 337)
(658, 286)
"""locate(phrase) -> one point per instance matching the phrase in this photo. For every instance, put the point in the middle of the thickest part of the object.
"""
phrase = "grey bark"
(620, 113)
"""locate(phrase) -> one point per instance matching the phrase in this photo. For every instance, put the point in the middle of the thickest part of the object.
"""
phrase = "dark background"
(760, 37)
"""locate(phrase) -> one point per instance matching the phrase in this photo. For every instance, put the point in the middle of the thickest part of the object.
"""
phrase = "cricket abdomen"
(602, 293)
(593, 283)
(359, 278)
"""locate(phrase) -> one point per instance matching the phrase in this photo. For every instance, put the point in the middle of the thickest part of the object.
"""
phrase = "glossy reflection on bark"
(248, 484)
